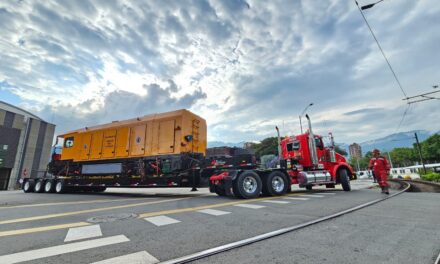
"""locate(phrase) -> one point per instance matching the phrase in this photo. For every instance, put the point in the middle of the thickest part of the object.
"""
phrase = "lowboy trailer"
(169, 150)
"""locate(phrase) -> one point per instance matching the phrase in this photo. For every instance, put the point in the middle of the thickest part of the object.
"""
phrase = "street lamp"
(300, 116)
(370, 5)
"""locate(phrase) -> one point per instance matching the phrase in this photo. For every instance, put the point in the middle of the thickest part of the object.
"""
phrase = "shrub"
(431, 176)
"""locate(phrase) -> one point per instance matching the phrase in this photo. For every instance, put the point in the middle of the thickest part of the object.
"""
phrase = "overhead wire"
(381, 50)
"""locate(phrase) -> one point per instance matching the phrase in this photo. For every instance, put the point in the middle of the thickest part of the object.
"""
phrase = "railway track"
(401, 186)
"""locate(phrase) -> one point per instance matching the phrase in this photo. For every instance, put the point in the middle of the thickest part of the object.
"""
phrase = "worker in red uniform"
(380, 168)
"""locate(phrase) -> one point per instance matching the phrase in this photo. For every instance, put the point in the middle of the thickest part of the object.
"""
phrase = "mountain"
(214, 144)
(397, 140)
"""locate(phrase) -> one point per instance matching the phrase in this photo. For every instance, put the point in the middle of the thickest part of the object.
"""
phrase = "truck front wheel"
(275, 184)
(344, 180)
(247, 185)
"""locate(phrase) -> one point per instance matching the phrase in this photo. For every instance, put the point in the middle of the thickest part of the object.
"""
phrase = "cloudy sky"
(245, 66)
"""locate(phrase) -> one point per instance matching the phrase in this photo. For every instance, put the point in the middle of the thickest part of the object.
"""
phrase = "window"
(295, 145)
(395, 171)
(319, 143)
(68, 142)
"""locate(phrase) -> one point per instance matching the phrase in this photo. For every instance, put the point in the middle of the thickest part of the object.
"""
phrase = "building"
(355, 150)
(25, 145)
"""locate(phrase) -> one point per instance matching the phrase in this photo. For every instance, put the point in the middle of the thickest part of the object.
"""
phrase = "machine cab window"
(295, 145)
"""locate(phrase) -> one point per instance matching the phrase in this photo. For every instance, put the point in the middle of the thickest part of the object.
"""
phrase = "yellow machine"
(151, 135)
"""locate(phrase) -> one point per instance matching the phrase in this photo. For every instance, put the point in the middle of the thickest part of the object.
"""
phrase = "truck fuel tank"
(311, 177)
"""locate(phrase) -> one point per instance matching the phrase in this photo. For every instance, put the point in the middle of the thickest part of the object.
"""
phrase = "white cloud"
(245, 66)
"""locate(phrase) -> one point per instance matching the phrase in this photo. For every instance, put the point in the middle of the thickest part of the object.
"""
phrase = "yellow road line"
(67, 203)
(41, 229)
(40, 217)
(197, 208)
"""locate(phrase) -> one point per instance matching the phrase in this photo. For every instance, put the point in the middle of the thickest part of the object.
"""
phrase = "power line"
(403, 117)
(381, 50)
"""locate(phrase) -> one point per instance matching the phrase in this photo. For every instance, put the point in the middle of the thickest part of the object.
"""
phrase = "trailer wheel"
(38, 186)
(344, 180)
(28, 186)
(49, 187)
(247, 185)
(275, 184)
(60, 187)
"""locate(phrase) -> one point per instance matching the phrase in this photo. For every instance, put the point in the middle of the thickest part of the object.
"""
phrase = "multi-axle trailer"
(169, 150)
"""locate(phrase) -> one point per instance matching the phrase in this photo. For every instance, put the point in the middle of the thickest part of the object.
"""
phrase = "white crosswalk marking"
(142, 257)
(251, 206)
(275, 202)
(83, 232)
(162, 220)
(213, 212)
(312, 195)
(297, 198)
(61, 249)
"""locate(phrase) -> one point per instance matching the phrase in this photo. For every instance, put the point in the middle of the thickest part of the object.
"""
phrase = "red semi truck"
(304, 160)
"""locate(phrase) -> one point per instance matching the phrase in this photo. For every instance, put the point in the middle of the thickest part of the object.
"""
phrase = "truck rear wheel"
(344, 180)
(219, 190)
(28, 186)
(275, 184)
(309, 187)
(38, 186)
(60, 187)
(49, 187)
(247, 185)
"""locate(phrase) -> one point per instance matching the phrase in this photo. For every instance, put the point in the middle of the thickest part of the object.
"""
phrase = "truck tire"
(275, 184)
(344, 180)
(309, 187)
(247, 185)
(39, 186)
(28, 186)
(98, 189)
(60, 187)
(49, 187)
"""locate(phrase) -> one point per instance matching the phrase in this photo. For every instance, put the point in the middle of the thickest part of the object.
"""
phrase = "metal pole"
(300, 124)
(389, 158)
(357, 160)
(420, 152)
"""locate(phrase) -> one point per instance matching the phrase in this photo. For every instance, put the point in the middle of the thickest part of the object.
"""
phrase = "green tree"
(431, 149)
(403, 157)
(266, 146)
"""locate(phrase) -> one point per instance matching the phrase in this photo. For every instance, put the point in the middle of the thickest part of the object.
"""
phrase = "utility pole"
(420, 152)
(389, 158)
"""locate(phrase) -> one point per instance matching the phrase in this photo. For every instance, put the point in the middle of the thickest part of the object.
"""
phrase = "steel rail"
(265, 236)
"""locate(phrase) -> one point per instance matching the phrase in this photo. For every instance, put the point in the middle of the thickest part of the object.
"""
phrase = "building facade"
(355, 150)
(25, 145)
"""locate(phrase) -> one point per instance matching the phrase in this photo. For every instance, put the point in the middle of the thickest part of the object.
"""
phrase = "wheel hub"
(278, 184)
(249, 184)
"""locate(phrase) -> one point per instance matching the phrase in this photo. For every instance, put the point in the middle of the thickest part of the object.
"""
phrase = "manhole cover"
(110, 218)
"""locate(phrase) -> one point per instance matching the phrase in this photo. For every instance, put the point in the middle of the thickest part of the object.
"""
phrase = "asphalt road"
(153, 225)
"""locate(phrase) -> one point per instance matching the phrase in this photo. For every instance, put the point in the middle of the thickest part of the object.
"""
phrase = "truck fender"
(340, 166)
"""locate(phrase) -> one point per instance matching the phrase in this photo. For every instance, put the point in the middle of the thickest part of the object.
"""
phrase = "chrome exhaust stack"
(312, 144)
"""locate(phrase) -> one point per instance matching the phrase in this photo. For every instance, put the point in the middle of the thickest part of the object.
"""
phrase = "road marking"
(34, 218)
(41, 229)
(250, 206)
(296, 198)
(142, 257)
(210, 206)
(275, 202)
(330, 193)
(83, 232)
(312, 195)
(162, 220)
(75, 203)
(213, 212)
(61, 249)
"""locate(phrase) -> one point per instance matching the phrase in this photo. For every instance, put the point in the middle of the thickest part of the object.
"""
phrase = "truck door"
(122, 141)
(166, 136)
(85, 146)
